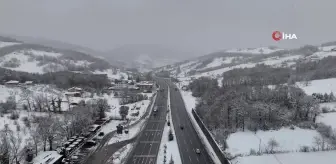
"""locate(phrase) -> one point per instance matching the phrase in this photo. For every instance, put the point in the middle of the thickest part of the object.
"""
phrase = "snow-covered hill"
(35, 58)
(313, 70)
(261, 50)
(146, 56)
(217, 63)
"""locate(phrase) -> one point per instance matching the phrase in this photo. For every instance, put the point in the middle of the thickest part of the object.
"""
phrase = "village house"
(145, 85)
(28, 83)
(74, 92)
(12, 83)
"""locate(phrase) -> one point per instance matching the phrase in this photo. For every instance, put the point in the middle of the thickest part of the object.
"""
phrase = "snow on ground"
(217, 72)
(328, 119)
(82, 63)
(46, 157)
(44, 53)
(26, 65)
(330, 105)
(119, 157)
(22, 133)
(261, 50)
(289, 140)
(111, 126)
(133, 131)
(34, 90)
(319, 86)
(190, 103)
(114, 104)
(112, 74)
(326, 157)
(277, 61)
(172, 147)
(5, 44)
(322, 54)
(327, 48)
(219, 61)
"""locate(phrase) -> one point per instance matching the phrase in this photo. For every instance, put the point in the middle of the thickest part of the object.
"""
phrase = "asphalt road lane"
(187, 139)
(148, 146)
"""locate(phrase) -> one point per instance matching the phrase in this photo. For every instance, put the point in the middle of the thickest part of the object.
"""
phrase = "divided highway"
(148, 144)
(187, 139)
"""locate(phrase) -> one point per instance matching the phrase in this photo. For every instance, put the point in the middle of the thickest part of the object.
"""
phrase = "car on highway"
(181, 127)
(198, 151)
(101, 134)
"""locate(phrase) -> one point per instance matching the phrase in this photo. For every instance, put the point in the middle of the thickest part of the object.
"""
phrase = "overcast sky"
(197, 25)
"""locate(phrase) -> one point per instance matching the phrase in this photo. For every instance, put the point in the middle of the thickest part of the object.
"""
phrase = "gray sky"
(197, 25)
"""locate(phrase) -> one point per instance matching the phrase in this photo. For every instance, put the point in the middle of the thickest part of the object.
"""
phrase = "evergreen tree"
(331, 96)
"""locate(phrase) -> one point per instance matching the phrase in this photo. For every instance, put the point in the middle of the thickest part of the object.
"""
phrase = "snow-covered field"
(328, 119)
(5, 44)
(261, 50)
(288, 140)
(32, 91)
(171, 146)
(219, 61)
(220, 71)
(278, 61)
(327, 157)
(25, 64)
(319, 86)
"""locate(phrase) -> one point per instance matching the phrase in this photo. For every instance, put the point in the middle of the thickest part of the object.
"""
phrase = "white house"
(12, 82)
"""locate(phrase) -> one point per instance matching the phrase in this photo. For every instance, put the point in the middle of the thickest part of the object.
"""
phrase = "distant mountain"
(145, 56)
(216, 63)
(35, 58)
(66, 46)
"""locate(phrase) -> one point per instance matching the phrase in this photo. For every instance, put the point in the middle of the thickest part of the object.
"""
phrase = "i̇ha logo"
(277, 35)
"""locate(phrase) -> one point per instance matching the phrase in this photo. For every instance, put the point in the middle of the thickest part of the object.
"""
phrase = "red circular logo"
(276, 35)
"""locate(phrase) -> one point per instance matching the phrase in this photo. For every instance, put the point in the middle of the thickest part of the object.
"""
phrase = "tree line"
(253, 98)
(63, 79)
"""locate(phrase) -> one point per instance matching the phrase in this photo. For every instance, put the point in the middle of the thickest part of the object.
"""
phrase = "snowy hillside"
(215, 64)
(41, 59)
(311, 68)
(4, 44)
(261, 50)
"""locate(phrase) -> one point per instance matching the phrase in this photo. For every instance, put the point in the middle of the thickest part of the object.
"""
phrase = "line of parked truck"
(77, 141)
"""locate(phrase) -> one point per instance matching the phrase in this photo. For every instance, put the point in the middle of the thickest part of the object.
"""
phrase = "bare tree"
(272, 144)
(47, 129)
(36, 138)
(26, 96)
(16, 145)
(65, 125)
(320, 142)
(5, 148)
(102, 106)
(59, 103)
(39, 101)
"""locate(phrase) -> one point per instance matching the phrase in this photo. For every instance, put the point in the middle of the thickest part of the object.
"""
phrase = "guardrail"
(213, 143)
